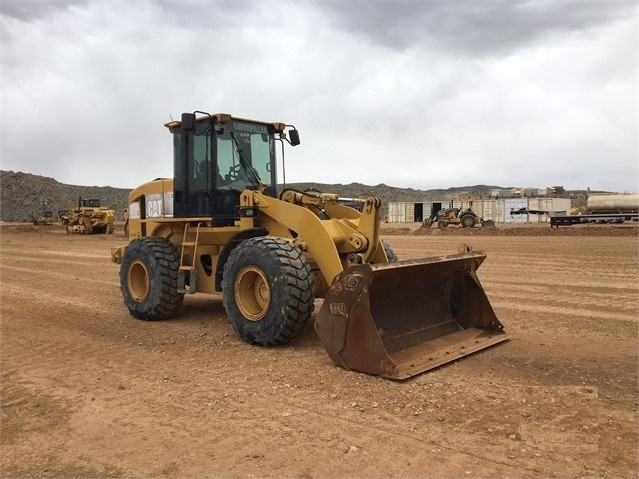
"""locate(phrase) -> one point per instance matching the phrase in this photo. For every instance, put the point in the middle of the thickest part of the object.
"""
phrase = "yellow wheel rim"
(138, 281)
(252, 293)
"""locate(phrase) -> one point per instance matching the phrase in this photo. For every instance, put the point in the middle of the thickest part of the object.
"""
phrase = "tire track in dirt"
(93, 393)
(117, 412)
(577, 309)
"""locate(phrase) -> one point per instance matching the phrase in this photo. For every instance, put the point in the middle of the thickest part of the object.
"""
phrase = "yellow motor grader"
(89, 218)
(220, 226)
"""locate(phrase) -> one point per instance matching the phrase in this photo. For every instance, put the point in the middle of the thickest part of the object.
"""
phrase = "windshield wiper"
(251, 172)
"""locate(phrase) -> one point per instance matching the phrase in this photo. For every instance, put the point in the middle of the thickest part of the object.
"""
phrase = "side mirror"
(188, 121)
(294, 137)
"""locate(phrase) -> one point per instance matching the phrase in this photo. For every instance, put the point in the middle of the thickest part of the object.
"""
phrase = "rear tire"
(149, 277)
(468, 221)
(267, 290)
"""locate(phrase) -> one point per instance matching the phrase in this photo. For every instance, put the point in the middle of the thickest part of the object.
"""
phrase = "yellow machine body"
(89, 217)
(379, 316)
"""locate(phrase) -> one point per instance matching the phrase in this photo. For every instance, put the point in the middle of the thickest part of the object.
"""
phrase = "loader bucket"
(487, 223)
(402, 318)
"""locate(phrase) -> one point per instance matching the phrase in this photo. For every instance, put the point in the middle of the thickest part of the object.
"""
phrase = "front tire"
(149, 277)
(267, 290)
(390, 252)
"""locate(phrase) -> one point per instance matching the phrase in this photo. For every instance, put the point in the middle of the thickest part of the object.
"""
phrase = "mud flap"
(400, 319)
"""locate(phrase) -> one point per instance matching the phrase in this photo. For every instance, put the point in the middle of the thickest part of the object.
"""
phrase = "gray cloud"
(36, 9)
(469, 28)
(408, 94)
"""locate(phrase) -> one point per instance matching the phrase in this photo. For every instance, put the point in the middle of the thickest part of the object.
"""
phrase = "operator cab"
(216, 157)
(88, 202)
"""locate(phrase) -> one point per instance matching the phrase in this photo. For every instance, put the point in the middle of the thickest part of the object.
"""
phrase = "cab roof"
(225, 118)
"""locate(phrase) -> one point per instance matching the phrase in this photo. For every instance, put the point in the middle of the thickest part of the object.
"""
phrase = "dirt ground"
(88, 391)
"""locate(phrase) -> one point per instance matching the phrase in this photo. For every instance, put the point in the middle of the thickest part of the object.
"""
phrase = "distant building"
(499, 210)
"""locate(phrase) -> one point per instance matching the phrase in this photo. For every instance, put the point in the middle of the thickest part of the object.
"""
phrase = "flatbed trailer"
(526, 211)
(569, 220)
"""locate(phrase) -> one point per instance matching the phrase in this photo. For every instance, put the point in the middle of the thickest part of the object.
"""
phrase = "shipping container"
(478, 208)
(560, 204)
(419, 212)
(538, 204)
(492, 210)
(409, 212)
(551, 205)
(497, 210)
(427, 208)
(514, 204)
(396, 213)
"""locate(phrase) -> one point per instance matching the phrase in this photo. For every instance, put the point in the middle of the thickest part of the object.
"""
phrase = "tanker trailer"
(613, 204)
(603, 209)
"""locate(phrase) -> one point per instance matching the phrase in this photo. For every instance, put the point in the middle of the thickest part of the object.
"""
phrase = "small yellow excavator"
(220, 226)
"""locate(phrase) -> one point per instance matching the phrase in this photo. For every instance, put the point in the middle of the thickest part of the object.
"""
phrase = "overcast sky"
(421, 94)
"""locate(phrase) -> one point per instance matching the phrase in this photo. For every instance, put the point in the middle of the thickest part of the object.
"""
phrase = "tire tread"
(299, 291)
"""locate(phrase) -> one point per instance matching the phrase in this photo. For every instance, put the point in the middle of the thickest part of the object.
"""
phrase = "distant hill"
(23, 195)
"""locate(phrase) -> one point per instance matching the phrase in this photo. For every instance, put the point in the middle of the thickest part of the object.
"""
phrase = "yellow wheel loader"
(89, 218)
(219, 226)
